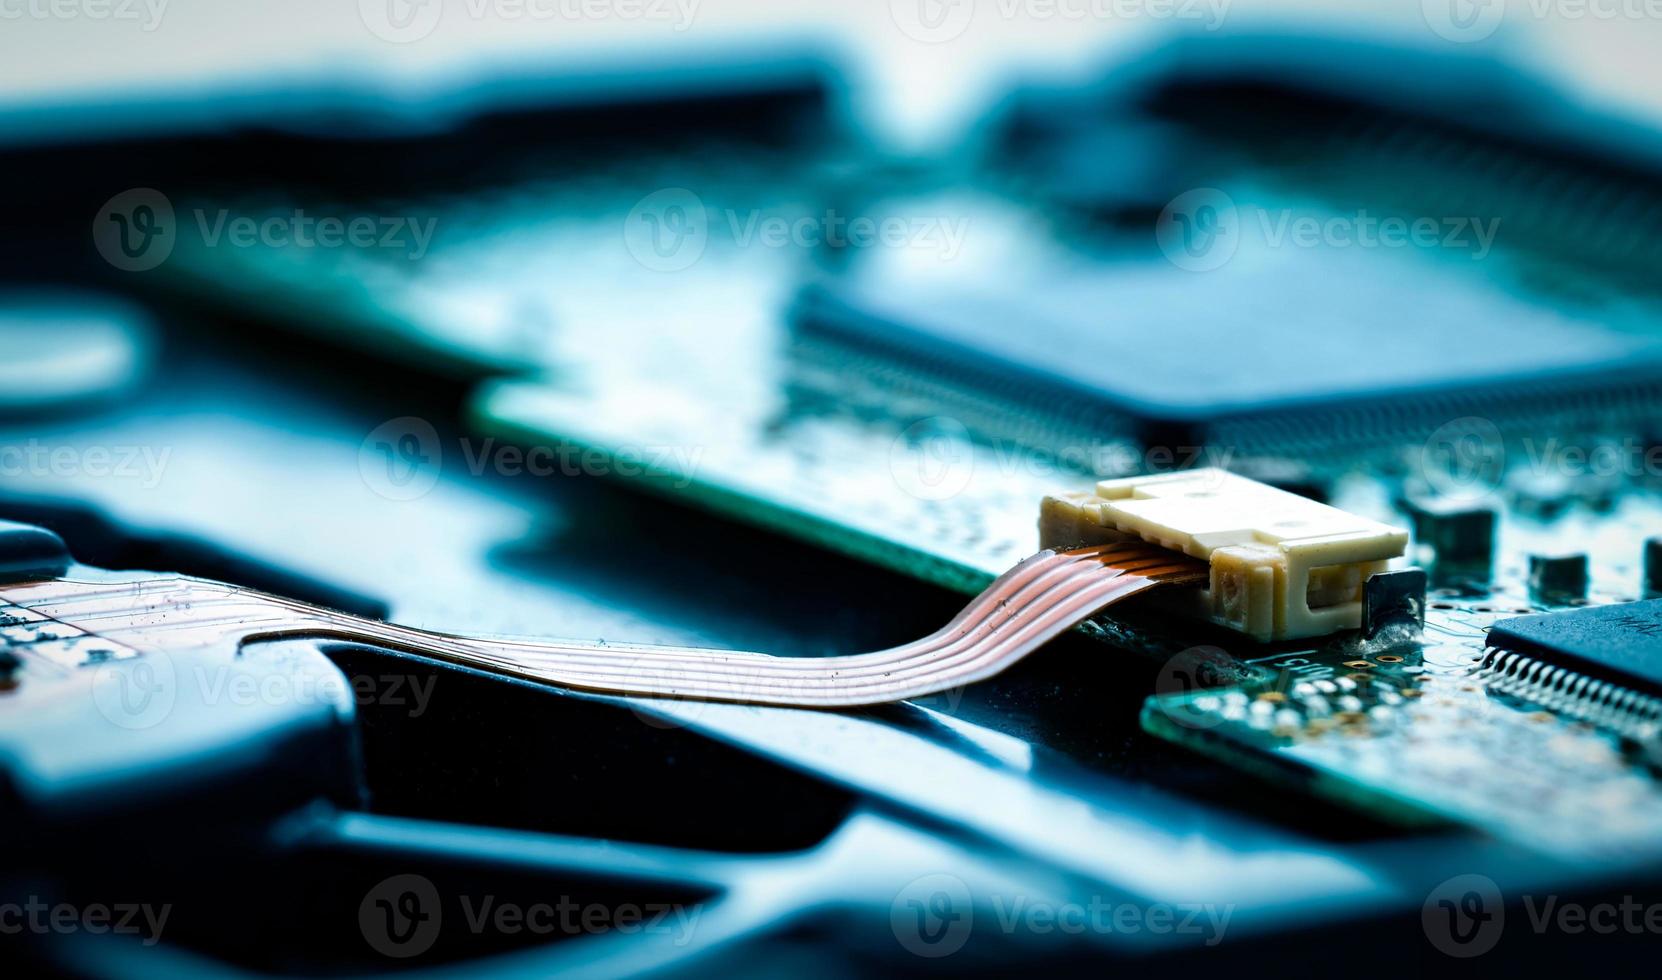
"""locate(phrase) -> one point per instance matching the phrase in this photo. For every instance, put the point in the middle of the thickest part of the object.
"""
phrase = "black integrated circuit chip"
(1261, 353)
(1621, 643)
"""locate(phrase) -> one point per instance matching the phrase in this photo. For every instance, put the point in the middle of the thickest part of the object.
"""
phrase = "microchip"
(1621, 643)
(1258, 353)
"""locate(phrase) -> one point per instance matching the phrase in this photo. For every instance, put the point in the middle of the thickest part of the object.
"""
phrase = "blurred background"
(765, 326)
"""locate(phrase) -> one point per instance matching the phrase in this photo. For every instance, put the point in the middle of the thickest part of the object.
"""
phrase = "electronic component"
(1548, 737)
(1138, 349)
(1558, 578)
(1282, 566)
(1413, 732)
(1653, 566)
(1596, 661)
(1390, 598)
(1033, 784)
(1455, 539)
(1030, 604)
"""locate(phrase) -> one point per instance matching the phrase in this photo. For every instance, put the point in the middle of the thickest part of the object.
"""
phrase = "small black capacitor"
(1558, 578)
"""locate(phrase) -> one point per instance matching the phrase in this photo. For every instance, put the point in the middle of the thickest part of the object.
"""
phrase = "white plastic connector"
(1283, 566)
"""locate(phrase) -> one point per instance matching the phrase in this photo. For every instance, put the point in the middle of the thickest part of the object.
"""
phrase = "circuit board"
(1217, 477)
(722, 406)
(754, 424)
(1417, 727)
(646, 324)
(1421, 733)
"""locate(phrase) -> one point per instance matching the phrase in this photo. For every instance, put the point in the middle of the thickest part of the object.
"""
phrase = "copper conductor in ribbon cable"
(1041, 597)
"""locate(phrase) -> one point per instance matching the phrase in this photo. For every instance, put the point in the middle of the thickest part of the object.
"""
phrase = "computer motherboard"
(1433, 322)
(889, 410)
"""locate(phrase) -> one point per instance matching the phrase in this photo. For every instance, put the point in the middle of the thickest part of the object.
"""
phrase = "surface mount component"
(1546, 742)
(1454, 538)
(1558, 578)
(1282, 566)
(1394, 599)
(1259, 353)
(1621, 643)
(1600, 663)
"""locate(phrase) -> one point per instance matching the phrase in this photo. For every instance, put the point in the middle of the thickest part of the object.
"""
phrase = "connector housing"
(1283, 566)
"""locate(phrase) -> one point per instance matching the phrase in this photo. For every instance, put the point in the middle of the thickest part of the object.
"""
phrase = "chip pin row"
(1570, 692)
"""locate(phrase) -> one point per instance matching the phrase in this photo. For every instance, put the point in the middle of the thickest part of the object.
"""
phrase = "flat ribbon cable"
(1040, 598)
